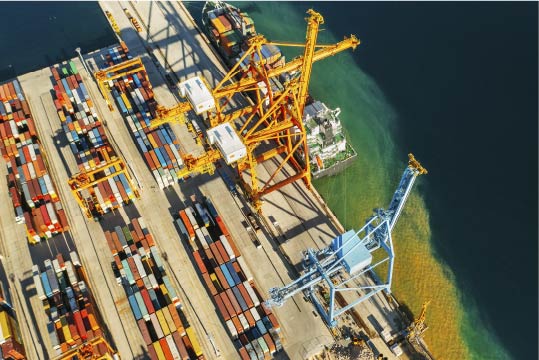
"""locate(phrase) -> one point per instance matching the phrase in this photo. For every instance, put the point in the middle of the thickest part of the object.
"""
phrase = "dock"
(294, 219)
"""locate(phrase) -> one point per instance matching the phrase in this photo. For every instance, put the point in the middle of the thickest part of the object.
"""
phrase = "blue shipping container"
(229, 278)
(134, 307)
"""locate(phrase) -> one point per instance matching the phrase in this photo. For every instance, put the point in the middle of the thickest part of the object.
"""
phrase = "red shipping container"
(62, 219)
(121, 189)
(149, 239)
(166, 349)
(209, 283)
(138, 229)
(2, 94)
(233, 246)
(176, 318)
(221, 307)
(29, 223)
(149, 161)
(216, 254)
(228, 305)
(221, 278)
(39, 224)
(237, 324)
(180, 345)
(12, 90)
(151, 352)
(110, 243)
(187, 342)
(274, 321)
(133, 268)
(233, 301)
(45, 215)
(15, 198)
(243, 354)
(199, 262)
(222, 251)
(250, 318)
(39, 166)
(80, 325)
(147, 300)
(222, 226)
(144, 331)
(245, 296)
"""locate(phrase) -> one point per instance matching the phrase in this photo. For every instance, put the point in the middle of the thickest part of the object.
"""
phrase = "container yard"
(134, 97)
(154, 302)
(184, 271)
(11, 343)
(103, 182)
(252, 326)
(74, 324)
(33, 194)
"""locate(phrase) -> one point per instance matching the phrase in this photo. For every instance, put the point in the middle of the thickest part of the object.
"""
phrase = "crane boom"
(352, 252)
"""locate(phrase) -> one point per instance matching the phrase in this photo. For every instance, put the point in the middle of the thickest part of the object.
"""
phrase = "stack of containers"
(134, 97)
(153, 300)
(89, 144)
(68, 302)
(253, 327)
(10, 338)
(33, 195)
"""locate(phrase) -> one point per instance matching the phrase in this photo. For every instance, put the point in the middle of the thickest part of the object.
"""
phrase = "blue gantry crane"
(352, 253)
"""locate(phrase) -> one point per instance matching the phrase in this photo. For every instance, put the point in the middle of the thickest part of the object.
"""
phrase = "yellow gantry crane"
(418, 327)
(90, 351)
(125, 68)
(272, 123)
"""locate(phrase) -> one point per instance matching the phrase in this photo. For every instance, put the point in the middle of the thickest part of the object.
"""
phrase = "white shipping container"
(251, 293)
(198, 94)
(147, 283)
(244, 322)
(32, 151)
(8, 107)
(138, 264)
(31, 170)
(232, 329)
(48, 184)
(201, 238)
(100, 199)
(74, 258)
(52, 214)
(153, 281)
(227, 247)
(70, 272)
(173, 350)
(191, 215)
(228, 142)
(206, 233)
(255, 313)
(14, 129)
(244, 268)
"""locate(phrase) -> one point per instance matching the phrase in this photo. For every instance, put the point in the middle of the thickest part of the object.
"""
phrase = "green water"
(371, 124)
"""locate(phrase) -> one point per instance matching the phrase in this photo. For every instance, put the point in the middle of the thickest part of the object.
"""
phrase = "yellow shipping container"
(162, 322)
(93, 323)
(194, 340)
(67, 335)
(126, 101)
(163, 289)
(15, 330)
(168, 318)
(5, 326)
(159, 351)
(218, 25)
